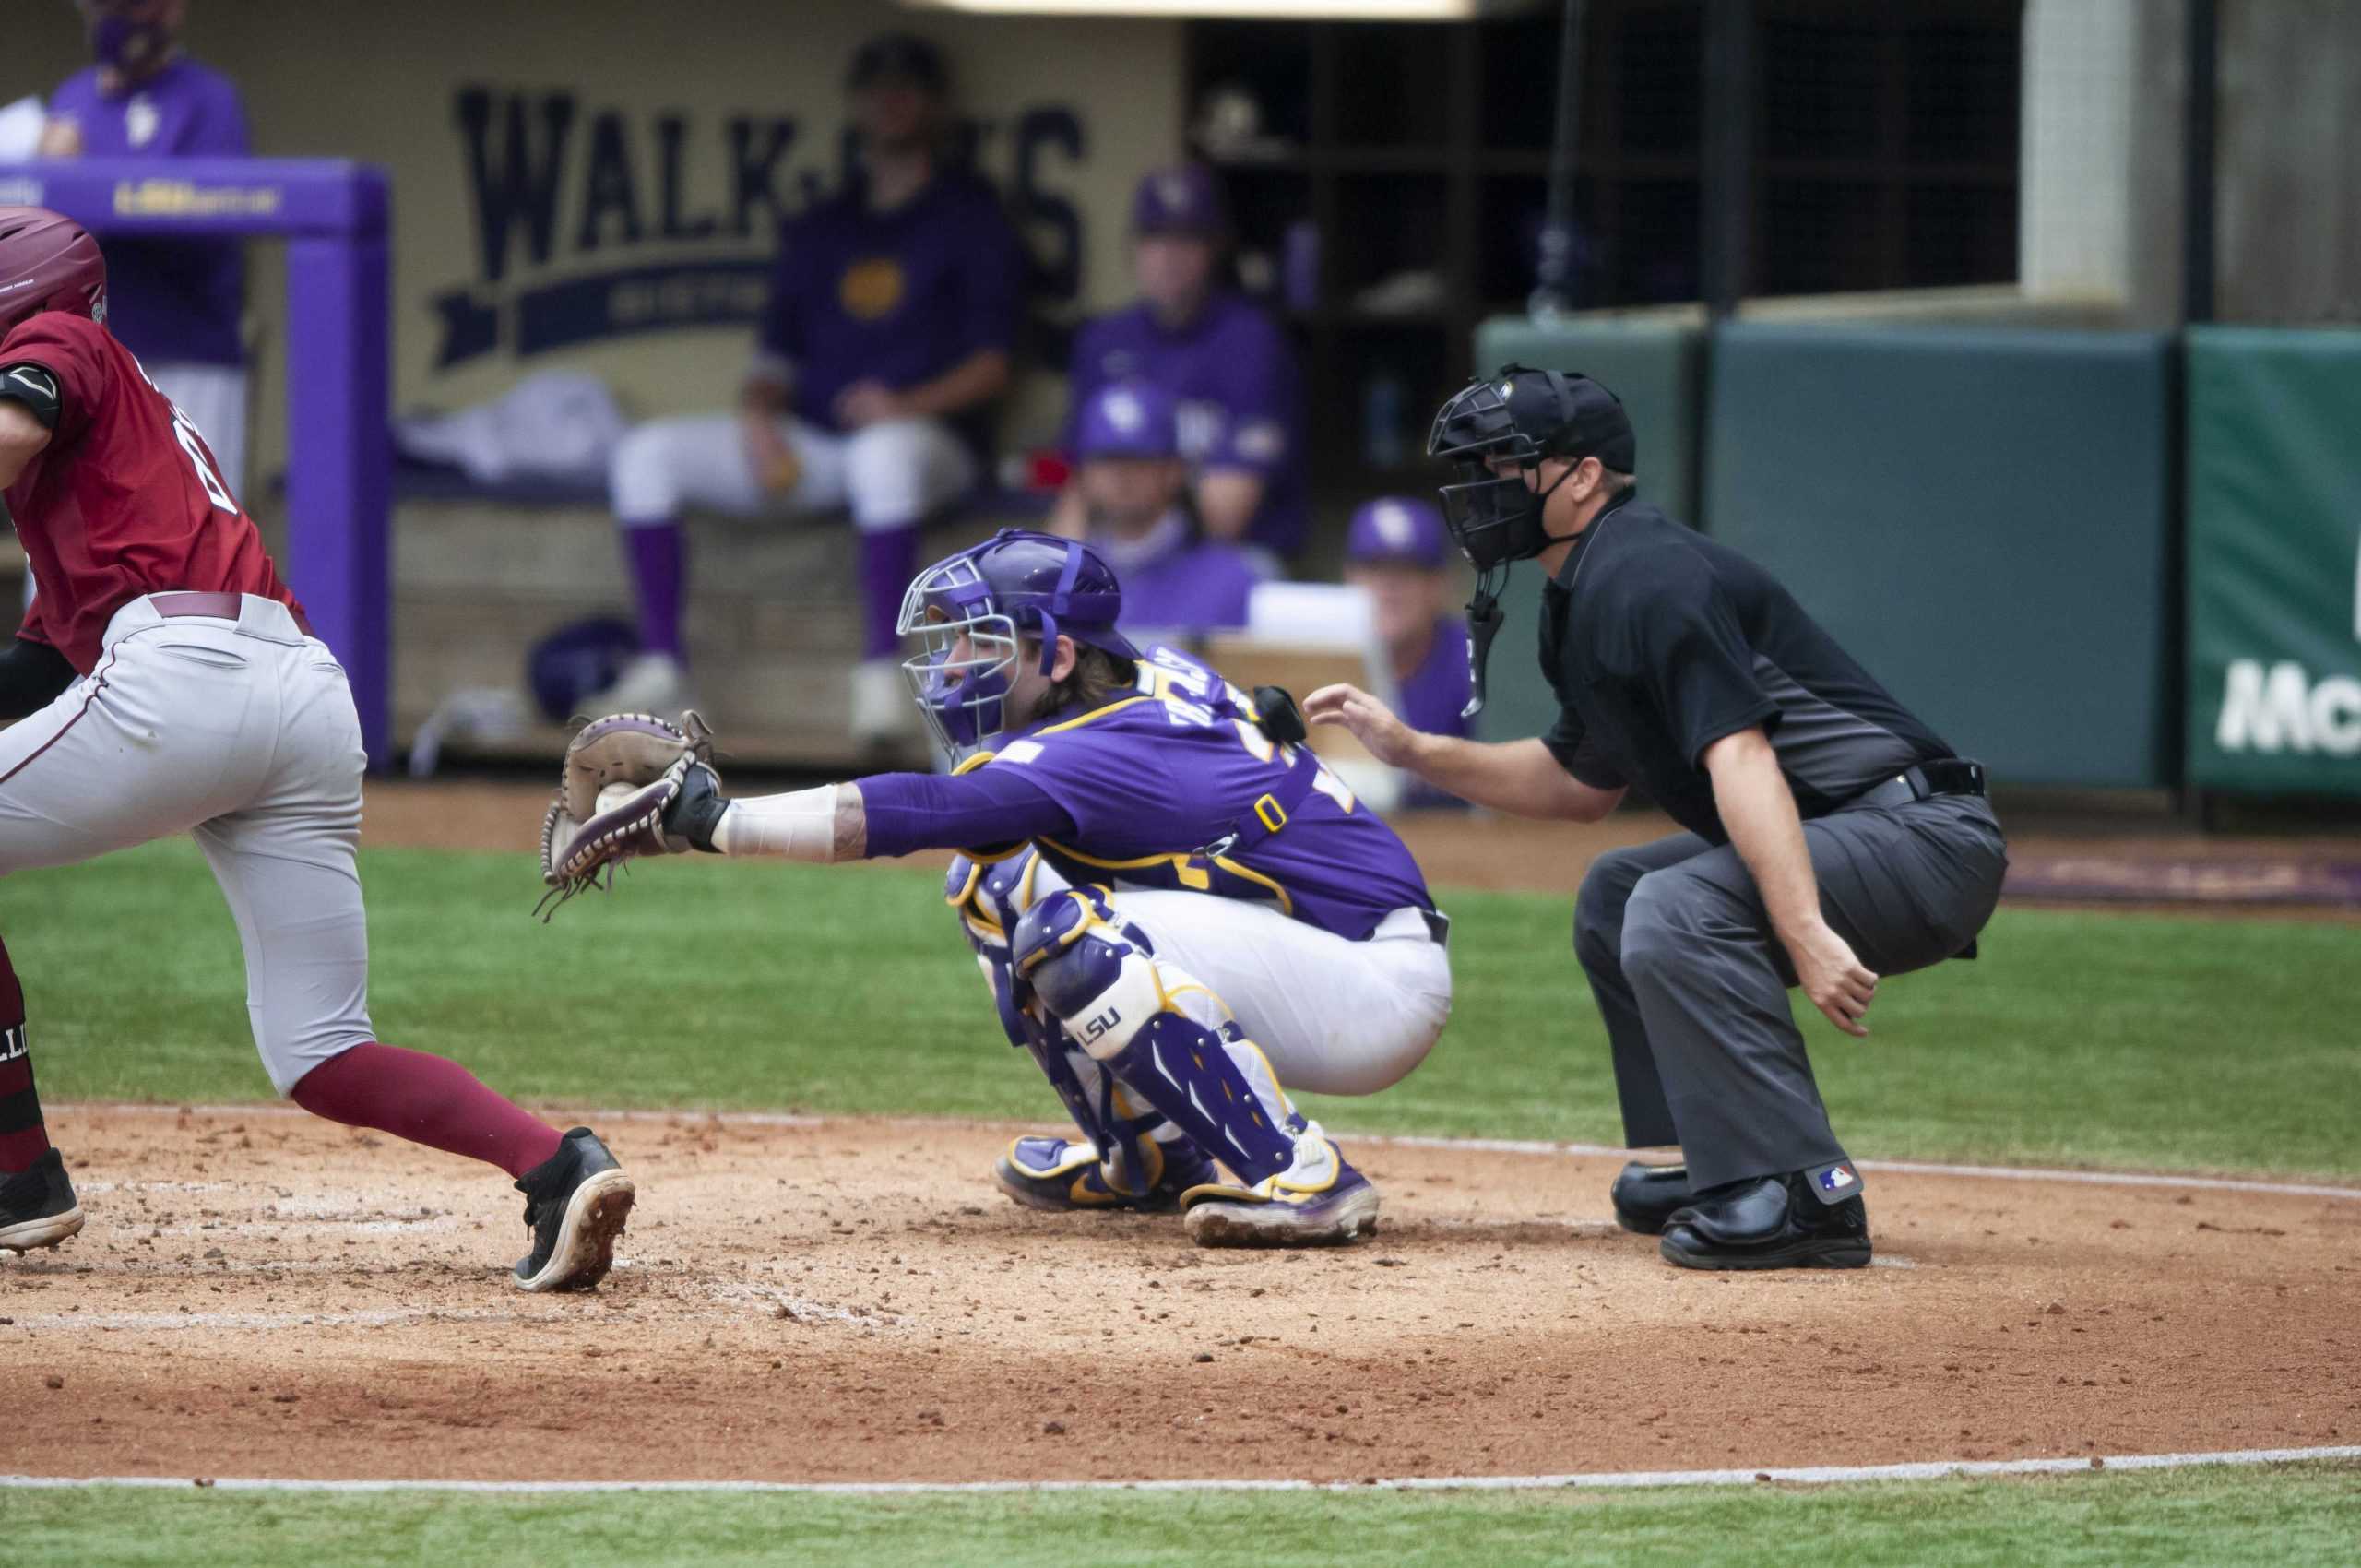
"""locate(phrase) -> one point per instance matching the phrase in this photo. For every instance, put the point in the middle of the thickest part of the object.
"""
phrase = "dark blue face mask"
(127, 45)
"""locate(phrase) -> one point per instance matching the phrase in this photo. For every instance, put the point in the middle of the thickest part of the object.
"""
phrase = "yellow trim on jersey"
(1190, 876)
(1093, 716)
(969, 764)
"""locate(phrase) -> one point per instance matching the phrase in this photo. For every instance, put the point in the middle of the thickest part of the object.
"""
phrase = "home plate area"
(260, 1294)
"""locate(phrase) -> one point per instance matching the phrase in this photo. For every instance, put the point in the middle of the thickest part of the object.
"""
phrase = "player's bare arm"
(1759, 810)
(22, 438)
(1520, 777)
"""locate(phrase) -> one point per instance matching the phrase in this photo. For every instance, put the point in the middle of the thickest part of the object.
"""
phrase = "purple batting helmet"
(974, 609)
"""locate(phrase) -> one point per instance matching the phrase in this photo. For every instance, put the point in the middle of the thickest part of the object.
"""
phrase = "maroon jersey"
(126, 499)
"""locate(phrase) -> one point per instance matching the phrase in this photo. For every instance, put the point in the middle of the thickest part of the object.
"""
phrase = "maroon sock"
(23, 1140)
(428, 1099)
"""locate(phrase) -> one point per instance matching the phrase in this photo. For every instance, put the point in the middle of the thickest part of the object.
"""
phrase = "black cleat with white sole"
(37, 1206)
(575, 1204)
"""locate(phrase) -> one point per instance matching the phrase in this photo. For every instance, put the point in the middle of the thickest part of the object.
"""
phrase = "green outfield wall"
(2274, 561)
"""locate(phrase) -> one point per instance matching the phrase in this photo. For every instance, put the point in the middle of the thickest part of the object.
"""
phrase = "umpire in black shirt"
(1830, 837)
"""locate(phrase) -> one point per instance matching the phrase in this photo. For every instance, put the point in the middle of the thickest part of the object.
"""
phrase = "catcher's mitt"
(620, 775)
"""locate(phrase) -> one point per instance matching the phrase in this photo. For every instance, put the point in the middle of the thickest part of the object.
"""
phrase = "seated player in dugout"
(884, 345)
(1397, 552)
(1142, 522)
(1829, 837)
(1226, 364)
(165, 681)
(1180, 913)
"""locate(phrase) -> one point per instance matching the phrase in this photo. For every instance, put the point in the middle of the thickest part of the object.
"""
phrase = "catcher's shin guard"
(1166, 1039)
(1129, 1156)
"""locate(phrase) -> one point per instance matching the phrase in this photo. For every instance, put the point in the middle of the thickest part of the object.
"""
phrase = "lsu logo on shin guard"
(12, 1043)
(1097, 1028)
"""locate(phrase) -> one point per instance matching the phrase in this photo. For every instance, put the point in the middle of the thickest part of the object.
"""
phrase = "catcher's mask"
(1516, 418)
(972, 612)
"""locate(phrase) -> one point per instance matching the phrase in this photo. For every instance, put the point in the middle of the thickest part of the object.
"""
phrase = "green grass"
(2108, 1039)
(2286, 1515)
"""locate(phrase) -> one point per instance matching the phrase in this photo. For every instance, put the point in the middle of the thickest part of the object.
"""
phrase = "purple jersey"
(900, 297)
(1197, 585)
(170, 302)
(1150, 778)
(1240, 408)
(1133, 790)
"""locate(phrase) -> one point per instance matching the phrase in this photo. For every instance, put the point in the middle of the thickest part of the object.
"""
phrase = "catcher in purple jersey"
(1178, 908)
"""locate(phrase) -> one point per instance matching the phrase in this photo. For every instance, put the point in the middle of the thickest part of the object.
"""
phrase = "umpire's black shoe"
(575, 1203)
(37, 1206)
(1647, 1196)
(1774, 1222)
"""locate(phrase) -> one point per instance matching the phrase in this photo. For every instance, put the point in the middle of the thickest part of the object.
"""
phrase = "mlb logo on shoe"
(1835, 1179)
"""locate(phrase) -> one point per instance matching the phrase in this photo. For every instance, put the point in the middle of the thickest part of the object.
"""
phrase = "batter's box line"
(1541, 1147)
(1605, 1481)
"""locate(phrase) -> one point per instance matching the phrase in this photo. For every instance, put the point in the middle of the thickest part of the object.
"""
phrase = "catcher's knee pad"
(1093, 971)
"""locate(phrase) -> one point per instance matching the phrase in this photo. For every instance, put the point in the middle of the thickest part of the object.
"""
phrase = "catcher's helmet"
(974, 609)
(47, 263)
(1523, 415)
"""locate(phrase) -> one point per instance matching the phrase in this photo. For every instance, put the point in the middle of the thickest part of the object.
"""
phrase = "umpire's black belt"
(1944, 775)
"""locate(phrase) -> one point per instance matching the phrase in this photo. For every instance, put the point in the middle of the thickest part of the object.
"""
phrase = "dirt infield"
(261, 1294)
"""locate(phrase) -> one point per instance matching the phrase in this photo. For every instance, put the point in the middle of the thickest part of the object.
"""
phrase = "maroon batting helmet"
(47, 263)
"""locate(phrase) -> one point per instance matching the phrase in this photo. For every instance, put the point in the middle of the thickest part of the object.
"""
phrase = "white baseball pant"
(890, 475)
(241, 734)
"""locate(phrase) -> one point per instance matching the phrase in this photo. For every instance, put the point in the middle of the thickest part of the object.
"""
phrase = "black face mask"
(1495, 519)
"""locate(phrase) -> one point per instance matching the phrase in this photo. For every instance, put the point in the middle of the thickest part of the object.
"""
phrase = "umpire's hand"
(1372, 723)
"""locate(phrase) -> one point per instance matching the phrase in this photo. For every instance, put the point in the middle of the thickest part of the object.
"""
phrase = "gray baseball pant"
(1692, 984)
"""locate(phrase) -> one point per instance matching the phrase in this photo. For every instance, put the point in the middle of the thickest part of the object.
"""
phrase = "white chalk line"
(1540, 1147)
(1604, 1480)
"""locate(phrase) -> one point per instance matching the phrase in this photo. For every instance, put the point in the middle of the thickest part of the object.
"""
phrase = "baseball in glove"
(620, 795)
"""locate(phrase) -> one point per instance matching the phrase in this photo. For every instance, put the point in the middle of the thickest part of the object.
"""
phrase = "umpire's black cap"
(899, 56)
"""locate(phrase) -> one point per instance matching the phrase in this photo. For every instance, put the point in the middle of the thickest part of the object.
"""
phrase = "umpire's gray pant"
(1692, 983)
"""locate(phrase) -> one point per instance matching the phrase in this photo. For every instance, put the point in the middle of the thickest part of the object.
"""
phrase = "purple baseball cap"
(1396, 529)
(1127, 419)
(1181, 200)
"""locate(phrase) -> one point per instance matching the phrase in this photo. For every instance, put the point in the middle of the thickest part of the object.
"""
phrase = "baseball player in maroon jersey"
(165, 682)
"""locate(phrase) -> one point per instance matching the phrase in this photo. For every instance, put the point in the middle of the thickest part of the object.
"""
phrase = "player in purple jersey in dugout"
(1226, 364)
(1176, 581)
(1177, 909)
(887, 339)
(1397, 552)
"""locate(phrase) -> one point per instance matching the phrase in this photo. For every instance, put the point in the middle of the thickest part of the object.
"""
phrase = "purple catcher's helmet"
(974, 609)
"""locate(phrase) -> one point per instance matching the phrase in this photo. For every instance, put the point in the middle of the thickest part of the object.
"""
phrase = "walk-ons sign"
(594, 224)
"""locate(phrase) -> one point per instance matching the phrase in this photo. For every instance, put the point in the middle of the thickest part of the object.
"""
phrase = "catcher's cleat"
(1066, 1177)
(1647, 1196)
(1324, 1203)
(1774, 1222)
(37, 1206)
(575, 1204)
